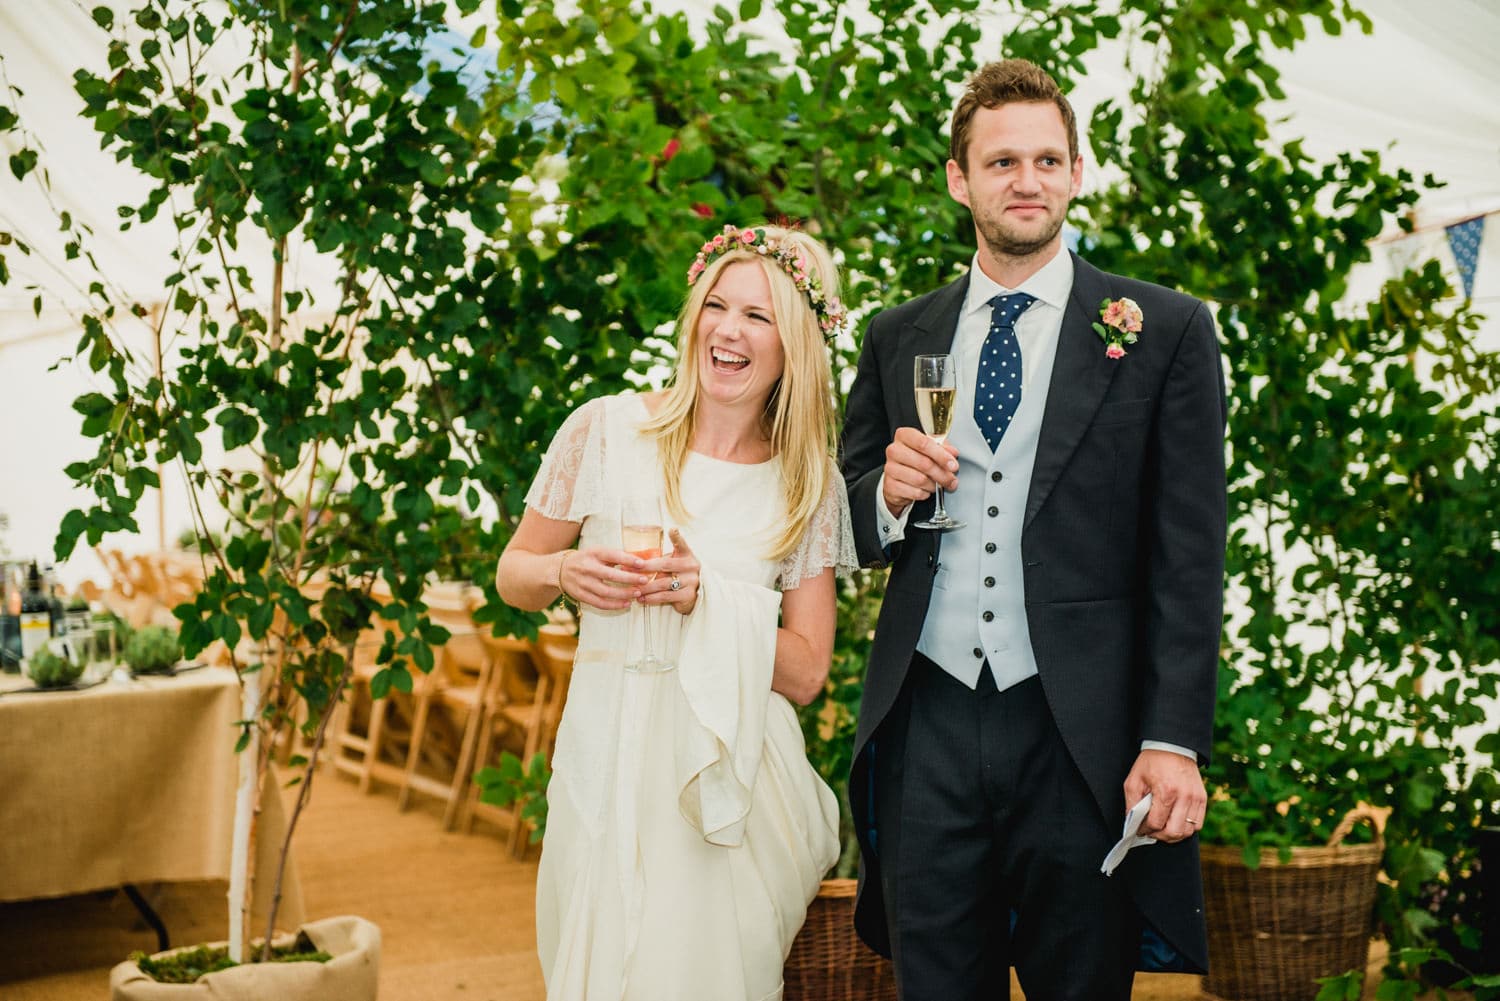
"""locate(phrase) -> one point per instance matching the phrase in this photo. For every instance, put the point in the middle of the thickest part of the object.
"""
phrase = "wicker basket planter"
(351, 975)
(1272, 931)
(828, 961)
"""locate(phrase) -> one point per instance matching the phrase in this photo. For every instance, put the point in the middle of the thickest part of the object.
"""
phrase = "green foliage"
(1347, 986)
(110, 623)
(51, 670)
(660, 139)
(21, 163)
(152, 650)
(508, 783)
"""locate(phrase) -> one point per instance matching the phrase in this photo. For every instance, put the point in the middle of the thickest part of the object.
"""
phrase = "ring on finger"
(676, 583)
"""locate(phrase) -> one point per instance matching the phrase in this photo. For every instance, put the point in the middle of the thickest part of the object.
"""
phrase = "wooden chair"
(509, 667)
(396, 723)
(358, 752)
(474, 672)
(527, 726)
(454, 689)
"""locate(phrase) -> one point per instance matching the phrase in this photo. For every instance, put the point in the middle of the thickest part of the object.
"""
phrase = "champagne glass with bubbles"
(936, 381)
(640, 535)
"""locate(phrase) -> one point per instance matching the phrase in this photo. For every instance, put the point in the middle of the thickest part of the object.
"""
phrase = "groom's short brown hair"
(1008, 81)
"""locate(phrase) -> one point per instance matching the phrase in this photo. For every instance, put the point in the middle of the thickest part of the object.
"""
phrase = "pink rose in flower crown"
(747, 236)
(1122, 322)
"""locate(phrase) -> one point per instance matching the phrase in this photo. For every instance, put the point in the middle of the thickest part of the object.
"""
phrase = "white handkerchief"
(1132, 836)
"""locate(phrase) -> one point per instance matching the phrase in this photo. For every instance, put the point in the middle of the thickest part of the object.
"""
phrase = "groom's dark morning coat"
(1123, 553)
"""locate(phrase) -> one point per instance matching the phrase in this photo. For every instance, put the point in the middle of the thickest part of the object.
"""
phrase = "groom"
(1039, 670)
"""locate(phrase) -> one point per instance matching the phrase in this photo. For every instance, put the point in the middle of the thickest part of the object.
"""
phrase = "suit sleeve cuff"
(1161, 745)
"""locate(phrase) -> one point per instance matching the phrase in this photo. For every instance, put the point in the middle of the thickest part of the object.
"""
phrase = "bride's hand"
(677, 578)
(601, 578)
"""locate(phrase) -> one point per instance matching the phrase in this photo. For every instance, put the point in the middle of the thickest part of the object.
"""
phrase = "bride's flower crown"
(791, 259)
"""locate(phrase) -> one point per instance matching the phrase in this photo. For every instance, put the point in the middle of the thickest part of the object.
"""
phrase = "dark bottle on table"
(36, 615)
(52, 591)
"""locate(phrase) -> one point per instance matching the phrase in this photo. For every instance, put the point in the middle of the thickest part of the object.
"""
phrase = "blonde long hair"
(800, 416)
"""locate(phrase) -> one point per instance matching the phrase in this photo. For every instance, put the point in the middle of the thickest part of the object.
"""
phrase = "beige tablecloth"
(127, 782)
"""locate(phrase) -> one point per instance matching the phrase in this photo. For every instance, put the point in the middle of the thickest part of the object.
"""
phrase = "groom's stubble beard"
(1005, 241)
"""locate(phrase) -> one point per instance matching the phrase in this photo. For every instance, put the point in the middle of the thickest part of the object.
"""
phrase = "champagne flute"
(640, 535)
(936, 381)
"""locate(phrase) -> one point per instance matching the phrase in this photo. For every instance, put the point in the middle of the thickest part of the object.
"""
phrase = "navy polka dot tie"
(997, 389)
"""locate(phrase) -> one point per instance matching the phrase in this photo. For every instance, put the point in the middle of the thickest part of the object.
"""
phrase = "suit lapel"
(1080, 376)
(931, 333)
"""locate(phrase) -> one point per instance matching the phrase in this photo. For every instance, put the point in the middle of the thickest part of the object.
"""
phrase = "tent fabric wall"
(1421, 90)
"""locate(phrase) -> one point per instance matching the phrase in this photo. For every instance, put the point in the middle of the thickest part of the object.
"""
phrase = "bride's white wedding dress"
(686, 831)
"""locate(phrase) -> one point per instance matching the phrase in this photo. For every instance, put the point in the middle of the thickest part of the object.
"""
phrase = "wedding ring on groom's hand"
(676, 584)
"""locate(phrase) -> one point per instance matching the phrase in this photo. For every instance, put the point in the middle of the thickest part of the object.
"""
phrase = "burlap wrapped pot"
(351, 975)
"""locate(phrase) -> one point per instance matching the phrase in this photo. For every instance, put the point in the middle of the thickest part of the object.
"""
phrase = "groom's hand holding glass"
(915, 466)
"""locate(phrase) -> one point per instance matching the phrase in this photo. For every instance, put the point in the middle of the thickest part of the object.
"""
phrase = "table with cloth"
(127, 782)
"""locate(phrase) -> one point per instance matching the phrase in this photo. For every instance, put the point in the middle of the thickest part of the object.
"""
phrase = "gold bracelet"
(564, 591)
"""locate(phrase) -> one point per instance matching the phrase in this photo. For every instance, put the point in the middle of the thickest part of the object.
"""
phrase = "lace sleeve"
(828, 541)
(567, 486)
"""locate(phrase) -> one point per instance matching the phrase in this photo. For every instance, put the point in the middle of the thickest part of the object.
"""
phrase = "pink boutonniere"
(1122, 323)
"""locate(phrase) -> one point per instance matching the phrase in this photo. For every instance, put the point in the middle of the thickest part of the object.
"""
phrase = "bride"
(686, 831)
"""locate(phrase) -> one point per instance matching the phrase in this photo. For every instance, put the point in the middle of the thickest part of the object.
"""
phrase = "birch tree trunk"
(241, 864)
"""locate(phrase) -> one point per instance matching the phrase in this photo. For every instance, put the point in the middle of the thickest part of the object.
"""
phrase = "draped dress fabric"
(686, 831)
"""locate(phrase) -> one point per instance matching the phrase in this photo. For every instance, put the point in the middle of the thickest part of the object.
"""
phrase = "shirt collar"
(1052, 284)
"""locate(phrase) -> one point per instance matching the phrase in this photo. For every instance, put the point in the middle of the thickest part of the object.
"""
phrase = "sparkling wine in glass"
(640, 535)
(936, 383)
